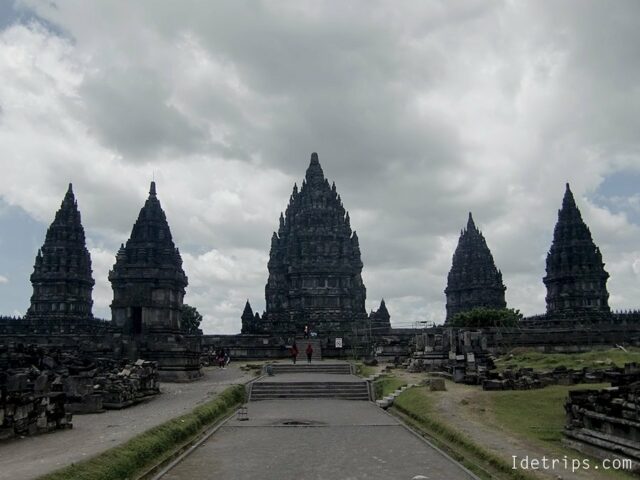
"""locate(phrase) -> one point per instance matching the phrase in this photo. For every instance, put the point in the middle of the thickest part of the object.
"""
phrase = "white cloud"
(419, 113)
(3, 279)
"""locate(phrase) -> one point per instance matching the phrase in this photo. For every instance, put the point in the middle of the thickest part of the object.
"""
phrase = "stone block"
(437, 385)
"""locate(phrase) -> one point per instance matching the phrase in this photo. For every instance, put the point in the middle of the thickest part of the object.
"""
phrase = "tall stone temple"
(576, 280)
(148, 289)
(62, 277)
(473, 281)
(314, 264)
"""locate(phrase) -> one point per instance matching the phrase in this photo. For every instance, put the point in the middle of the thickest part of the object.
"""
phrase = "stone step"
(302, 346)
(360, 397)
(309, 389)
(291, 390)
(342, 369)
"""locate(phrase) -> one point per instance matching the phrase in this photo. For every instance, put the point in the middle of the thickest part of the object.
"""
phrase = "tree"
(481, 317)
(191, 319)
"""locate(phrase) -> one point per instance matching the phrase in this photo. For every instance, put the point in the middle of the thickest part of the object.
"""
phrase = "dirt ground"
(464, 407)
(30, 457)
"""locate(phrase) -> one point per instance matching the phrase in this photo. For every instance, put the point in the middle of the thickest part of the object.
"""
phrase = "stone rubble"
(41, 389)
(606, 423)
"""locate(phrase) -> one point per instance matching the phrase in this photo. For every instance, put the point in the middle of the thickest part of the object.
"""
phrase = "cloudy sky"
(420, 111)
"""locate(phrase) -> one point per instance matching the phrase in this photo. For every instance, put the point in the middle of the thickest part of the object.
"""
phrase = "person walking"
(306, 331)
(309, 351)
(294, 352)
(220, 357)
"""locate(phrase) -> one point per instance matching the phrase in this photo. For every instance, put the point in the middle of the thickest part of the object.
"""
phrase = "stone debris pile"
(528, 379)
(31, 400)
(605, 423)
(132, 384)
(82, 384)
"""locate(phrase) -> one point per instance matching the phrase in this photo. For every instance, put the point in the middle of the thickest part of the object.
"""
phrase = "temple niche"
(314, 264)
(62, 277)
(576, 280)
(473, 281)
(148, 289)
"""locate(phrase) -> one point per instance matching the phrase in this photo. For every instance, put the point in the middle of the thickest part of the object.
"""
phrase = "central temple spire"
(314, 174)
(314, 263)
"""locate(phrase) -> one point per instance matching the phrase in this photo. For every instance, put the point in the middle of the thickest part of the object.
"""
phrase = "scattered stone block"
(437, 385)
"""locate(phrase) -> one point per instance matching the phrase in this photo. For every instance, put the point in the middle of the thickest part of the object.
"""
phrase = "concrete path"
(316, 440)
(30, 457)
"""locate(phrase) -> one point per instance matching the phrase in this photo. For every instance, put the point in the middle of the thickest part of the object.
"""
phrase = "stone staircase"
(278, 391)
(304, 367)
(302, 347)
(320, 380)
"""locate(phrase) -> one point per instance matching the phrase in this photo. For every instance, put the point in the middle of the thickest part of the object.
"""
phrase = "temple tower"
(62, 277)
(576, 280)
(314, 264)
(380, 320)
(473, 281)
(248, 319)
(148, 289)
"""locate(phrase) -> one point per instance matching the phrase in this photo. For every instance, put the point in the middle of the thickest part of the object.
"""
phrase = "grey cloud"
(420, 112)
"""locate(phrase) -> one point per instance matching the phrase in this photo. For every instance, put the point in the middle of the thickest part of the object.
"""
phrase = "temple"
(380, 320)
(576, 280)
(249, 321)
(473, 281)
(148, 289)
(62, 277)
(314, 264)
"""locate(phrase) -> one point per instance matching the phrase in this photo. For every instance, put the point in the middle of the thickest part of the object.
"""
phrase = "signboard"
(338, 342)
(471, 358)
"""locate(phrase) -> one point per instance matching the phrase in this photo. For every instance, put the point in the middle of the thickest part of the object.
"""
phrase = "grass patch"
(363, 370)
(542, 421)
(545, 415)
(596, 359)
(416, 404)
(386, 385)
(143, 451)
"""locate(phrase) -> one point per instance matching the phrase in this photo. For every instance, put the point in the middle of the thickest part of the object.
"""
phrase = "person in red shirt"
(309, 351)
(294, 352)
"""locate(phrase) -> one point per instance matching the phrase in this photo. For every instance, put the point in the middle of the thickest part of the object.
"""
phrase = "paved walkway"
(316, 440)
(31, 457)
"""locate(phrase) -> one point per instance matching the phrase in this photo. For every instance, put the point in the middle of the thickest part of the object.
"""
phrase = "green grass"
(143, 451)
(539, 417)
(386, 385)
(596, 359)
(545, 416)
(363, 370)
(416, 404)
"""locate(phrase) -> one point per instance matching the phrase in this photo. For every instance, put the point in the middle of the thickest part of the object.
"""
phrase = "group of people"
(222, 357)
(294, 352)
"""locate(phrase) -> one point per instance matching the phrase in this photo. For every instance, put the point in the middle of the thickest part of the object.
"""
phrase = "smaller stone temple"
(250, 322)
(380, 320)
(148, 289)
(576, 280)
(62, 277)
(473, 281)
